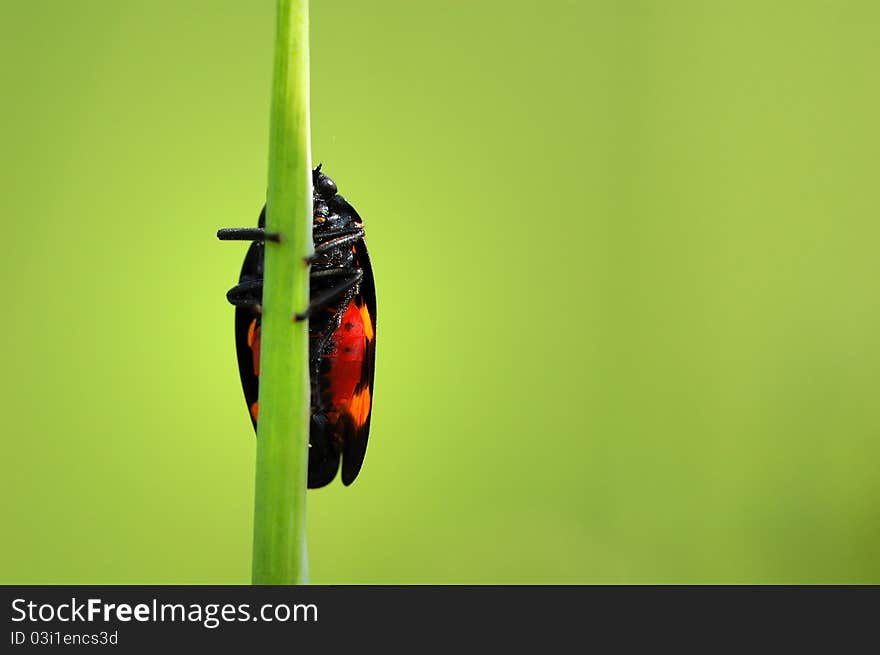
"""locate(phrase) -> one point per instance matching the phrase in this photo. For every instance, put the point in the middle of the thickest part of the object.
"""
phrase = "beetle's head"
(325, 188)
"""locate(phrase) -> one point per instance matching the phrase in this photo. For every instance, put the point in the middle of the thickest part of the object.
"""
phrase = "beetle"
(342, 330)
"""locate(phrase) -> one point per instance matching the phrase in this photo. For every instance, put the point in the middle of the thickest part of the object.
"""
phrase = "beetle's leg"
(249, 293)
(341, 231)
(350, 281)
(347, 236)
(246, 294)
(247, 234)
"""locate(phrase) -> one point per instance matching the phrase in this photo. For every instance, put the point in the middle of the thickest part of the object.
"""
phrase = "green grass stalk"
(279, 554)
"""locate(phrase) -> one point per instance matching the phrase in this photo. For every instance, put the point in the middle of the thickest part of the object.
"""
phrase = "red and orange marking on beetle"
(342, 331)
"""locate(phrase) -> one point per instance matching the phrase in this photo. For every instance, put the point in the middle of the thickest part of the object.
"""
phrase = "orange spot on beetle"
(359, 407)
(254, 343)
(368, 323)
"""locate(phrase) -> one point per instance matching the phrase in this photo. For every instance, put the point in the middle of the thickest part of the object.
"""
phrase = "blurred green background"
(627, 264)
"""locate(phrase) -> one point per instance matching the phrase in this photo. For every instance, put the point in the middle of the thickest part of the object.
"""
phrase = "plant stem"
(282, 441)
